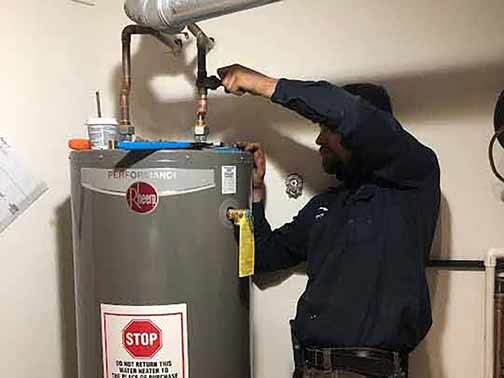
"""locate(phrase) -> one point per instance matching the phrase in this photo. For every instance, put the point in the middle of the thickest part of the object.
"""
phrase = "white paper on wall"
(18, 188)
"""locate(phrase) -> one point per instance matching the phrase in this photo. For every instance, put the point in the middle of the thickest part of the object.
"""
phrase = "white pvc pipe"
(489, 320)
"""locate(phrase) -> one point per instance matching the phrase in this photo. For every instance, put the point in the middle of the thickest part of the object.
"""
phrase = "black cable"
(498, 123)
(496, 136)
(457, 264)
(467, 265)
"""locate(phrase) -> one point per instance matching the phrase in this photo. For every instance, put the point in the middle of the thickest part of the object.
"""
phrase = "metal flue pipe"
(171, 16)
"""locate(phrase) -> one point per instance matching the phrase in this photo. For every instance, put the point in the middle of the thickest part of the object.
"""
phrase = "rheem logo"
(142, 339)
(142, 198)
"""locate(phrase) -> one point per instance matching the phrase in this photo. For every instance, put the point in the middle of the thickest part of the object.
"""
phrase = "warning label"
(144, 341)
(228, 179)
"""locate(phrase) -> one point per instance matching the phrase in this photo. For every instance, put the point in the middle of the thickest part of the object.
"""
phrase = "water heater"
(156, 263)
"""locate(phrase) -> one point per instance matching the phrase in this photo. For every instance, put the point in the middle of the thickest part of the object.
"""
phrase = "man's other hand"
(239, 80)
(259, 168)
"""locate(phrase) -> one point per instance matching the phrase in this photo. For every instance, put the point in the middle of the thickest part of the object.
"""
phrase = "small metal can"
(101, 131)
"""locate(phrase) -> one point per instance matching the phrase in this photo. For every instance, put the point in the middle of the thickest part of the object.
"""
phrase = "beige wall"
(443, 62)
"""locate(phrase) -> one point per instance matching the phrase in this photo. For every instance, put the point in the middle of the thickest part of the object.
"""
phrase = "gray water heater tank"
(156, 264)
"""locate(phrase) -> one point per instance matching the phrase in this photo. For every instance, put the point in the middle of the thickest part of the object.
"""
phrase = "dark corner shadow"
(447, 94)
(422, 362)
(66, 288)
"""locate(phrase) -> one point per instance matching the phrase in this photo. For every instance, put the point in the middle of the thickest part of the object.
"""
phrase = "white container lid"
(96, 121)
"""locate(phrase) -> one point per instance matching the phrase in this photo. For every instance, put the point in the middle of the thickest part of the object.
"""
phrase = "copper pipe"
(202, 75)
(204, 45)
(127, 32)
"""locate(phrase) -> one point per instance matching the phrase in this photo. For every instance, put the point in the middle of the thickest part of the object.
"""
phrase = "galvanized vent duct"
(172, 16)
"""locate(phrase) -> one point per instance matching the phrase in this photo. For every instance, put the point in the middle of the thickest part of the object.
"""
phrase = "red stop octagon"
(142, 338)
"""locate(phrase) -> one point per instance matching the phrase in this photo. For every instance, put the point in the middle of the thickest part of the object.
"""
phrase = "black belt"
(366, 361)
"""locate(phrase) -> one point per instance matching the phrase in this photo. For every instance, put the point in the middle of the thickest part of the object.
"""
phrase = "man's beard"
(333, 165)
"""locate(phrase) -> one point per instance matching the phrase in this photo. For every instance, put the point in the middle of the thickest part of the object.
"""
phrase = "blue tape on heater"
(134, 146)
(227, 149)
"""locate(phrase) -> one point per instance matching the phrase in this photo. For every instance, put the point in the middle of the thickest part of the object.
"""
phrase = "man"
(366, 241)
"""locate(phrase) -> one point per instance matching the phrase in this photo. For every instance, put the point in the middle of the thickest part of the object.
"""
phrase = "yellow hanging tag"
(247, 249)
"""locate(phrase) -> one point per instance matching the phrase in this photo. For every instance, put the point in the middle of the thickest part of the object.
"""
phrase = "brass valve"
(235, 215)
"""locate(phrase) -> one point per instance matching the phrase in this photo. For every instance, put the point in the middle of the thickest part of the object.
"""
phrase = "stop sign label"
(142, 338)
